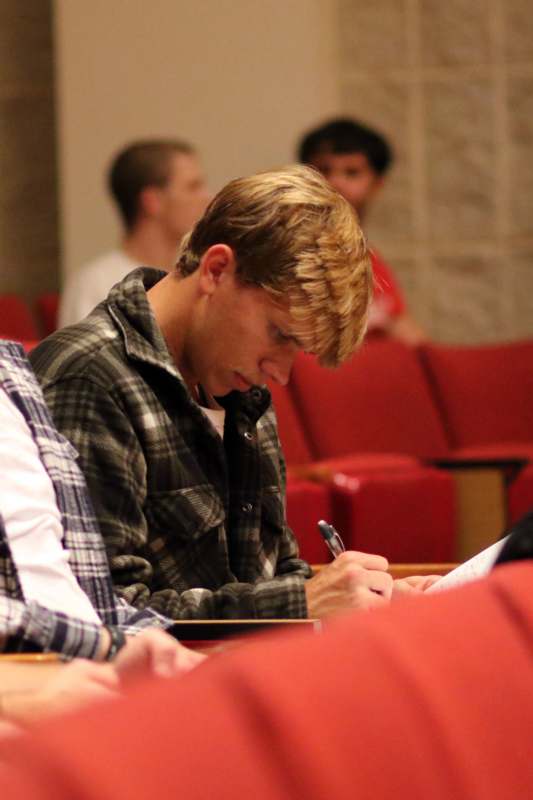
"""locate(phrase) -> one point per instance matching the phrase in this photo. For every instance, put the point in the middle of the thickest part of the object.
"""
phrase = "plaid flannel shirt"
(27, 625)
(194, 525)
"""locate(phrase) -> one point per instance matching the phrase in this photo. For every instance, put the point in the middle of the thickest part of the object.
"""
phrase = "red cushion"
(485, 393)
(377, 402)
(16, 321)
(29, 344)
(47, 307)
(429, 698)
(495, 450)
(407, 516)
(307, 502)
(291, 434)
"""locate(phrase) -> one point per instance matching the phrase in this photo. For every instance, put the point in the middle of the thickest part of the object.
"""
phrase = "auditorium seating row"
(20, 322)
(378, 445)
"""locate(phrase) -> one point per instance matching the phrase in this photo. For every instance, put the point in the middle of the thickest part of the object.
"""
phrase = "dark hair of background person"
(142, 164)
(343, 136)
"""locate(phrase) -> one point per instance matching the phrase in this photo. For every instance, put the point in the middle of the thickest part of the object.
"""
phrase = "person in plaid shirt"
(28, 623)
(189, 489)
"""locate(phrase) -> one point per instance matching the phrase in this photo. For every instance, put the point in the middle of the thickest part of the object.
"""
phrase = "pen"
(332, 538)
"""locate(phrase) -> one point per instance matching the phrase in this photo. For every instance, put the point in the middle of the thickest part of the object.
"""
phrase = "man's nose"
(278, 370)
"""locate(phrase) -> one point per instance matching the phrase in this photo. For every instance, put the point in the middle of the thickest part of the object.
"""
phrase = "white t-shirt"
(32, 521)
(90, 284)
(215, 414)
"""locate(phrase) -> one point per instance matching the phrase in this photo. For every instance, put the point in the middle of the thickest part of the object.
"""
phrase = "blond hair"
(296, 237)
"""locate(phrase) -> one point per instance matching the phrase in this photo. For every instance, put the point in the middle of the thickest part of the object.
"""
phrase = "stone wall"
(28, 205)
(451, 84)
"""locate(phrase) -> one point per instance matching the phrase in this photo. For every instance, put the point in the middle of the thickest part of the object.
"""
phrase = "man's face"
(185, 196)
(242, 338)
(351, 175)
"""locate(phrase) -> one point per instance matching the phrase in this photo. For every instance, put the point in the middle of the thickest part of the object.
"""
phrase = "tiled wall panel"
(451, 85)
(28, 190)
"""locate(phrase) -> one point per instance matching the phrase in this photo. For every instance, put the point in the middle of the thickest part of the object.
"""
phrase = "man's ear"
(149, 203)
(217, 264)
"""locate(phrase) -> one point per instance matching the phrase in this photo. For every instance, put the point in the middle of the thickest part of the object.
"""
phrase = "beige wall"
(451, 84)
(240, 78)
(28, 202)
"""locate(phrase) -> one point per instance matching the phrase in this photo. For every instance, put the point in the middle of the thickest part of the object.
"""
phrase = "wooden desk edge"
(406, 570)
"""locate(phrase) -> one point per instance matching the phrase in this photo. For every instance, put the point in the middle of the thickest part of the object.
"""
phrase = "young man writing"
(189, 489)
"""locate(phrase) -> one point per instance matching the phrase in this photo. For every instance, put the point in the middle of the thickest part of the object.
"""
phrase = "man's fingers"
(373, 580)
(366, 560)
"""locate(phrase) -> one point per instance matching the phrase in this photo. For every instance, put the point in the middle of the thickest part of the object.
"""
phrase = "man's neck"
(149, 246)
(171, 300)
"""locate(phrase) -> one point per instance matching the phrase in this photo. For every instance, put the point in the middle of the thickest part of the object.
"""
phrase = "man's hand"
(74, 685)
(156, 652)
(353, 580)
(413, 585)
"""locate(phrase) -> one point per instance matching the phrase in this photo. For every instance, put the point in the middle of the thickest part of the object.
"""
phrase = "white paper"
(475, 567)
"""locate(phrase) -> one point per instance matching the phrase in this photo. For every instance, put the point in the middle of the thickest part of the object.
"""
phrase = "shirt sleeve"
(114, 466)
(32, 520)
(29, 627)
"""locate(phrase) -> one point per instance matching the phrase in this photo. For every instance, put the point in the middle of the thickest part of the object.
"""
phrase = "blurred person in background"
(355, 159)
(160, 191)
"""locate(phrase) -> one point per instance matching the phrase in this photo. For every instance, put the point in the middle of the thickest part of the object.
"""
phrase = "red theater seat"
(378, 401)
(381, 501)
(405, 515)
(46, 309)
(307, 502)
(484, 395)
(16, 321)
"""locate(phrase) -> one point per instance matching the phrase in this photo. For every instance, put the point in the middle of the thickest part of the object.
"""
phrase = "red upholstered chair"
(405, 515)
(378, 401)
(29, 344)
(485, 396)
(428, 698)
(16, 321)
(386, 500)
(485, 393)
(307, 502)
(46, 309)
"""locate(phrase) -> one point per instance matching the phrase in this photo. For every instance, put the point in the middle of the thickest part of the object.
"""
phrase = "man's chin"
(240, 383)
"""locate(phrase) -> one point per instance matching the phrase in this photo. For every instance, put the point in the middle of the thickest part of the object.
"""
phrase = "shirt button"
(248, 436)
(247, 508)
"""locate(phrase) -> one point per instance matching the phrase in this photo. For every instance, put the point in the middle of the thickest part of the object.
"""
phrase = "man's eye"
(283, 337)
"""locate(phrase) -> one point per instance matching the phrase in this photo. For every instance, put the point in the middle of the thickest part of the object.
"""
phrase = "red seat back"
(16, 321)
(485, 392)
(378, 401)
(291, 434)
(46, 308)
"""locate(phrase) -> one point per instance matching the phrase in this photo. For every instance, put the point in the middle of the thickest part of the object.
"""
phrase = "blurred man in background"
(160, 192)
(355, 159)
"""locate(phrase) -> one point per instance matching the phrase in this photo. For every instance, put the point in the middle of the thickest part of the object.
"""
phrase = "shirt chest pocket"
(183, 515)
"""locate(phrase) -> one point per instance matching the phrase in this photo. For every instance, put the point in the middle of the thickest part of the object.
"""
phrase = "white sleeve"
(32, 521)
